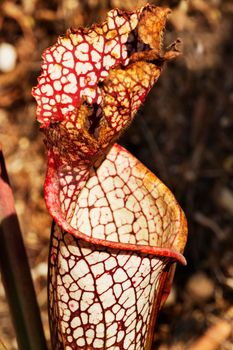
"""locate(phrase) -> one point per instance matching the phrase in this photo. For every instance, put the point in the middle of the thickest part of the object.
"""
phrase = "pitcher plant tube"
(118, 230)
(15, 272)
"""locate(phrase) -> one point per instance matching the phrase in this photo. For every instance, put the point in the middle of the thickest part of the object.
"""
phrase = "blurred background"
(183, 133)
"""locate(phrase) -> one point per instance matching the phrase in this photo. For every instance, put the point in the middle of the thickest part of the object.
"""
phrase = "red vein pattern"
(118, 229)
(123, 202)
(76, 63)
(83, 109)
(105, 293)
(104, 297)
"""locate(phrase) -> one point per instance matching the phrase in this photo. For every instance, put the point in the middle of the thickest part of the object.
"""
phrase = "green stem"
(16, 274)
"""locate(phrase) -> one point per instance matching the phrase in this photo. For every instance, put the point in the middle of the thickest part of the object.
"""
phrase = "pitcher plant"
(118, 230)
